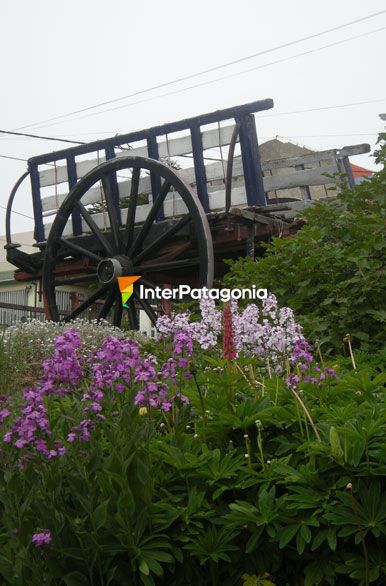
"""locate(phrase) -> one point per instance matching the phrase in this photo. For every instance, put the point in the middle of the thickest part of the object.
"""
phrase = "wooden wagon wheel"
(128, 249)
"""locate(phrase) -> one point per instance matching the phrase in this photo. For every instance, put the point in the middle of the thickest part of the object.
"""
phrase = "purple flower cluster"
(307, 370)
(160, 389)
(111, 369)
(119, 363)
(269, 333)
(116, 367)
(63, 371)
(4, 410)
(61, 375)
(205, 332)
(43, 538)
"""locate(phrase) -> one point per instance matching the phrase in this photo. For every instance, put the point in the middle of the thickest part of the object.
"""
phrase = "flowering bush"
(201, 462)
(270, 334)
(25, 345)
(118, 366)
(332, 271)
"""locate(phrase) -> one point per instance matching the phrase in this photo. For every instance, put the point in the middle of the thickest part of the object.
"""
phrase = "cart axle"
(111, 268)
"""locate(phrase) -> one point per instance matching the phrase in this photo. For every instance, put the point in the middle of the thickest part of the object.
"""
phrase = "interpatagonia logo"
(126, 288)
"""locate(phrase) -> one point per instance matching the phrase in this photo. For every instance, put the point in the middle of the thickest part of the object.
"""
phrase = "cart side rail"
(167, 149)
(243, 115)
(300, 174)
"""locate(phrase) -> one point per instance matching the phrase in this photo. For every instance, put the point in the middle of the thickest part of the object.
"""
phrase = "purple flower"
(4, 413)
(43, 538)
(183, 341)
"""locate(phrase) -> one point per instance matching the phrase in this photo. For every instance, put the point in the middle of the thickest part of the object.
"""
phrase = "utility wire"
(224, 77)
(322, 135)
(41, 137)
(371, 133)
(209, 70)
(13, 158)
(18, 213)
(112, 133)
(349, 105)
(321, 108)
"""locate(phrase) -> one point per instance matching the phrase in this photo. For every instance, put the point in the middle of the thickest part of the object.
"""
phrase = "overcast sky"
(57, 57)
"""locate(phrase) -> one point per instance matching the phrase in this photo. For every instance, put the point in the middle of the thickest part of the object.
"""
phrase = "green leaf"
(144, 568)
(75, 579)
(254, 540)
(305, 532)
(320, 536)
(300, 543)
(126, 504)
(336, 449)
(99, 516)
(72, 552)
(287, 534)
(331, 539)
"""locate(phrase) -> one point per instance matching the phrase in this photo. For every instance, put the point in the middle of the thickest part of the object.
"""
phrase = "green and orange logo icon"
(126, 287)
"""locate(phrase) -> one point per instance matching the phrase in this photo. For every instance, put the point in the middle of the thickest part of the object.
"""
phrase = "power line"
(13, 158)
(18, 213)
(285, 114)
(349, 105)
(205, 71)
(68, 134)
(209, 82)
(41, 137)
(114, 133)
(322, 135)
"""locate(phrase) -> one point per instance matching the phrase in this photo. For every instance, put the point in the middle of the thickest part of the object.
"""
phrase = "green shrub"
(247, 484)
(332, 272)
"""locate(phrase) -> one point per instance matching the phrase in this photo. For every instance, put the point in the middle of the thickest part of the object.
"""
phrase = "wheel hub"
(111, 268)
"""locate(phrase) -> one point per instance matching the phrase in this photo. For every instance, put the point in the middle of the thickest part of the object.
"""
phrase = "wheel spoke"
(108, 303)
(162, 266)
(79, 279)
(112, 211)
(148, 283)
(156, 244)
(95, 229)
(85, 304)
(150, 218)
(133, 318)
(131, 209)
(76, 248)
(147, 308)
(118, 309)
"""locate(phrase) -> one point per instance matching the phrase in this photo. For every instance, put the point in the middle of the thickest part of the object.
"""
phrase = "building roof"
(358, 171)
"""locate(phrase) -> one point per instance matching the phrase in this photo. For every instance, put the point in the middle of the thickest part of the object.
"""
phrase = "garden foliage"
(332, 272)
(180, 467)
(24, 345)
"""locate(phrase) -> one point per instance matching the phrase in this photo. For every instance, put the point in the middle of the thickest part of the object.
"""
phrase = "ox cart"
(134, 205)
